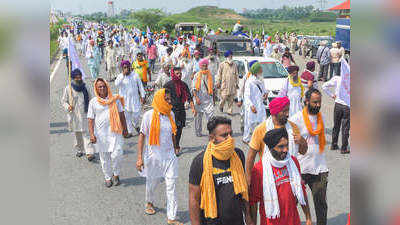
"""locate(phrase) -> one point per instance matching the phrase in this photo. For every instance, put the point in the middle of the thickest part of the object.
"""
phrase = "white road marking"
(55, 69)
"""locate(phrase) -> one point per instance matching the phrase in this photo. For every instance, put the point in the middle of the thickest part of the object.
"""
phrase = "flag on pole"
(263, 32)
(74, 58)
(344, 92)
(251, 34)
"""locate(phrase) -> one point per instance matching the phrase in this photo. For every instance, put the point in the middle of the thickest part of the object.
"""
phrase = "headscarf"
(227, 53)
(159, 106)
(291, 69)
(111, 101)
(80, 88)
(197, 52)
(124, 63)
(203, 62)
(209, 77)
(222, 151)
(151, 42)
(255, 68)
(310, 65)
(277, 104)
(179, 86)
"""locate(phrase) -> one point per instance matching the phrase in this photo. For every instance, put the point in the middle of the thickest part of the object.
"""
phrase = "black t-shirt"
(177, 104)
(230, 206)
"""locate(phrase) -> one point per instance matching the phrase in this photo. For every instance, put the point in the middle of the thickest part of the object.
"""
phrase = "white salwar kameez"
(131, 88)
(77, 121)
(206, 103)
(253, 96)
(294, 95)
(108, 144)
(160, 162)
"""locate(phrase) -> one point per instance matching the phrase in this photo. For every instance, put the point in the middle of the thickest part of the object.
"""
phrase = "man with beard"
(75, 101)
(277, 184)
(293, 88)
(313, 164)
(218, 192)
(130, 87)
(279, 108)
(164, 76)
(180, 94)
(227, 81)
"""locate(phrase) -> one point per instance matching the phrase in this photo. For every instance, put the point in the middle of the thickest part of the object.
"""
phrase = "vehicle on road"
(181, 28)
(240, 46)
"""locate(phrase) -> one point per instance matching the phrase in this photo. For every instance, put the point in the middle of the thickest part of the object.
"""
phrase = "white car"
(274, 74)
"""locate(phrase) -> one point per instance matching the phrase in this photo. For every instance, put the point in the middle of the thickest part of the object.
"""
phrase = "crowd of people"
(225, 186)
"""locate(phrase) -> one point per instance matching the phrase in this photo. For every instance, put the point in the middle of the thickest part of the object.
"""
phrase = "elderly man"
(75, 101)
(202, 88)
(218, 192)
(277, 184)
(227, 81)
(214, 63)
(313, 164)
(163, 76)
(324, 59)
(158, 160)
(106, 126)
(254, 95)
(279, 108)
(130, 87)
(276, 54)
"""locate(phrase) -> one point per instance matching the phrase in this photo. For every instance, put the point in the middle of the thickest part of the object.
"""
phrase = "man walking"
(324, 59)
(227, 81)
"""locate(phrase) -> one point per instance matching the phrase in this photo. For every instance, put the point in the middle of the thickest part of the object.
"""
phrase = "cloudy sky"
(176, 6)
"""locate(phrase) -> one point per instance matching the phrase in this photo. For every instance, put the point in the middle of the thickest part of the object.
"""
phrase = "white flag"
(344, 92)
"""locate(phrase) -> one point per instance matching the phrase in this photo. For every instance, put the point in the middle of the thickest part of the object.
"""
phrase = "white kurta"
(159, 161)
(294, 95)
(131, 88)
(253, 96)
(312, 162)
(77, 118)
(185, 72)
(107, 141)
(206, 100)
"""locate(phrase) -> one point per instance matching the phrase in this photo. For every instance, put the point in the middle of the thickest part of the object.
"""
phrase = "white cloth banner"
(344, 92)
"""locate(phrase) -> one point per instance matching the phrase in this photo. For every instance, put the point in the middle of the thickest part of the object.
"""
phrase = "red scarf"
(180, 87)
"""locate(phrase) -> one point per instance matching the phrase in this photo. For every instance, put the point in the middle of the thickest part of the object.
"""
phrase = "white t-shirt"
(313, 162)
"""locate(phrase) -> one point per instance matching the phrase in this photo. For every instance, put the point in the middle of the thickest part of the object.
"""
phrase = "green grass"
(53, 48)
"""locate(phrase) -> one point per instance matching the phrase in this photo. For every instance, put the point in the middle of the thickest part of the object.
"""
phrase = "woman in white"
(131, 88)
(156, 153)
(293, 88)
(254, 108)
(106, 126)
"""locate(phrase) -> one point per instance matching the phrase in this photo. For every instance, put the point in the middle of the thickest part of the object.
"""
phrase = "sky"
(178, 6)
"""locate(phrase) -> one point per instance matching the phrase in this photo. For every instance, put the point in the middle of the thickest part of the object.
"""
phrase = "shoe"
(79, 154)
(137, 130)
(245, 142)
(344, 151)
(108, 183)
(199, 135)
(174, 222)
(116, 181)
(129, 136)
(334, 147)
(90, 157)
(149, 210)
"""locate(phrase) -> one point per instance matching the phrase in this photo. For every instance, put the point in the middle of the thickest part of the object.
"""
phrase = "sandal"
(174, 222)
(149, 210)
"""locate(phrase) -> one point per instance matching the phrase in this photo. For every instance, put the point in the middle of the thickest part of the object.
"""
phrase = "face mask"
(78, 82)
(313, 110)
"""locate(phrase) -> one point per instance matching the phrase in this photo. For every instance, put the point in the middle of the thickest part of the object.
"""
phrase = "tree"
(148, 17)
(168, 24)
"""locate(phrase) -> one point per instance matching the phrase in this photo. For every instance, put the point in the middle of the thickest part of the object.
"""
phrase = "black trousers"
(318, 185)
(335, 67)
(180, 121)
(323, 72)
(178, 135)
(341, 118)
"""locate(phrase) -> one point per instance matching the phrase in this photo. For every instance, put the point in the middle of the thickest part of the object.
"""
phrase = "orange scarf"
(319, 131)
(209, 81)
(115, 121)
(186, 53)
(159, 106)
(222, 151)
(143, 65)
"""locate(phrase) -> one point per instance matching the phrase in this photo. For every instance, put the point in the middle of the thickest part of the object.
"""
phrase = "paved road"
(78, 195)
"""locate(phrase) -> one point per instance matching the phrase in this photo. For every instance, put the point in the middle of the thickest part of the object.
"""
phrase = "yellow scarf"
(143, 67)
(159, 106)
(115, 122)
(209, 81)
(222, 151)
(319, 131)
(298, 84)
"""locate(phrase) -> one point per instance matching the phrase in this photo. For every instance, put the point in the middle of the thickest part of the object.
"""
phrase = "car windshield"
(240, 66)
(234, 46)
(273, 70)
